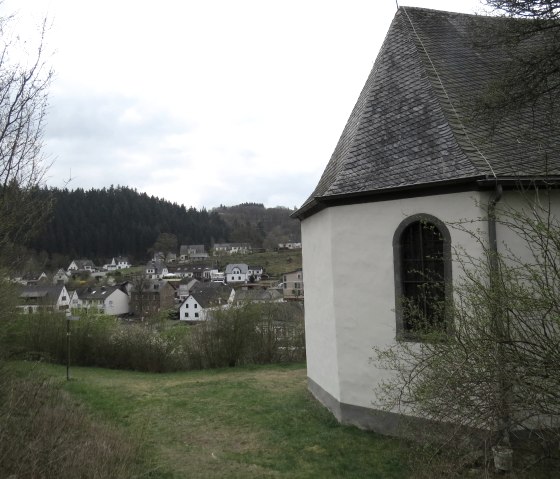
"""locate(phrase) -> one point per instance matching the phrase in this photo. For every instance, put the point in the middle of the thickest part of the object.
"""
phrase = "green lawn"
(240, 422)
(274, 263)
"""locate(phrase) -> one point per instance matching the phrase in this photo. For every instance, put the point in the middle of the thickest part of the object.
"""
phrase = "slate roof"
(211, 294)
(413, 125)
(41, 291)
(258, 295)
(242, 267)
(96, 292)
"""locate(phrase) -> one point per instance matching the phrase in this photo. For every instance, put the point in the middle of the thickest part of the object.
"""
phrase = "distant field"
(235, 423)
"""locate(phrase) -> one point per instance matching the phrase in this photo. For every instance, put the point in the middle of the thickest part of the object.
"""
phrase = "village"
(187, 286)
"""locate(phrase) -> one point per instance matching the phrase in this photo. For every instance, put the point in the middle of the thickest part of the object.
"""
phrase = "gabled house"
(35, 298)
(153, 297)
(110, 300)
(185, 287)
(81, 265)
(412, 162)
(31, 278)
(204, 299)
(75, 303)
(292, 285)
(258, 295)
(156, 270)
(61, 277)
(237, 273)
(118, 262)
(192, 252)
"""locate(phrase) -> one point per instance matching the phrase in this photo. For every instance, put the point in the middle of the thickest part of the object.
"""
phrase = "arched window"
(422, 256)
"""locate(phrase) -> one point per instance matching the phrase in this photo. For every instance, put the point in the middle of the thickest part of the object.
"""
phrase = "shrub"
(43, 433)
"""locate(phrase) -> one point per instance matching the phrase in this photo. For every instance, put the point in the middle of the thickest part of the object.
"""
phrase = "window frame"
(401, 332)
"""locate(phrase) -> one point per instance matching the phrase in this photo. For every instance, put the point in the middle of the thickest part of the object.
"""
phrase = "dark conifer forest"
(101, 223)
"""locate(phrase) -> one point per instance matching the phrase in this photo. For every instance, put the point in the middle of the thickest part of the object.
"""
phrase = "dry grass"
(252, 422)
(45, 434)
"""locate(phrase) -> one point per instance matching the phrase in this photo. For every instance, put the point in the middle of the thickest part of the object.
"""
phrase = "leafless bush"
(44, 434)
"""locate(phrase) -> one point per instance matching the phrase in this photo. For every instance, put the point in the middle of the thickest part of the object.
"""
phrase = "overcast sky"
(205, 102)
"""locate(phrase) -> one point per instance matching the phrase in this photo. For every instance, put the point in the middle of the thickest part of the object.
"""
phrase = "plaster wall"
(320, 332)
(116, 303)
(350, 289)
(509, 242)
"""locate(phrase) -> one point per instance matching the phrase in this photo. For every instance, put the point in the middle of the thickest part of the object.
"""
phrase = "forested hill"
(101, 223)
(260, 226)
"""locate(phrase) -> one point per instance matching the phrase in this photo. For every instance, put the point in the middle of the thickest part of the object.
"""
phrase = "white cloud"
(206, 102)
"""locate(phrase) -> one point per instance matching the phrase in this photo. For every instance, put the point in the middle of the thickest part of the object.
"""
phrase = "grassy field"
(274, 263)
(235, 423)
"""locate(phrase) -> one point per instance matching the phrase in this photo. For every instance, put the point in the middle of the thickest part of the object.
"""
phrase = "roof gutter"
(487, 182)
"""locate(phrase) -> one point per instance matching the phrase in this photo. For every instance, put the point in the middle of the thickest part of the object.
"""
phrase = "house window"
(186, 315)
(422, 257)
(196, 315)
(195, 305)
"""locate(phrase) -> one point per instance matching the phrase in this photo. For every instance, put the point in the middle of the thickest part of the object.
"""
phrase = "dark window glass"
(423, 277)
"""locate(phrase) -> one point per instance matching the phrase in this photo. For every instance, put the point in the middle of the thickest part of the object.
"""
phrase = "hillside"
(260, 226)
(101, 223)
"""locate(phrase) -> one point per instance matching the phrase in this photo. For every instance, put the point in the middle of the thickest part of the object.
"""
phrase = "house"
(156, 269)
(118, 262)
(192, 252)
(232, 248)
(151, 297)
(237, 273)
(61, 277)
(254, 273)
(204, 299)
(31, 278)
(110, 300)
(74, 302)
(292, 285)
(258, 295)
(185, 287)
(34, 298)
(78, 265)
(410, 164)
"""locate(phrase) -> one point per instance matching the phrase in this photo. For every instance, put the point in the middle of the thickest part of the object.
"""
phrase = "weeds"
(44, 434)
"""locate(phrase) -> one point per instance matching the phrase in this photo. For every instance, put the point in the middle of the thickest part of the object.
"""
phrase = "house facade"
(78, 265)
(192, 252)
(410, 181)
(237, 273)
(61, 277)
(109, 300)
(292, 285)
(35, 298)
(152, 298)
(156, 269)
(204, 299)
(118, 262)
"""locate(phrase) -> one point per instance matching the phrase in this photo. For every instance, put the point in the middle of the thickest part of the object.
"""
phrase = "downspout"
(498, 321)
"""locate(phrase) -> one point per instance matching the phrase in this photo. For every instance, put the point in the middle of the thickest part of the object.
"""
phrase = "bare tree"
(24, 82)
